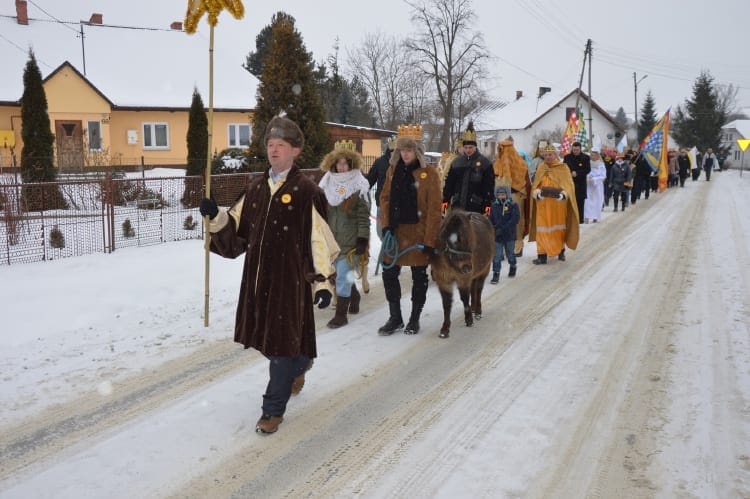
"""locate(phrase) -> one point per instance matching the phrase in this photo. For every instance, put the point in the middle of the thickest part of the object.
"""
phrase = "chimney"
(22, 13)
(519, 94)
(177, 26)
(95, 19)
(542, 91)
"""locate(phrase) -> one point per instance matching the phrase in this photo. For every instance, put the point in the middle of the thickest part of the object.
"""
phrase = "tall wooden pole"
(206, 220)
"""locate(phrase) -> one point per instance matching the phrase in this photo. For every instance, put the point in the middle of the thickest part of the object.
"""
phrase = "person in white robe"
(592, 208)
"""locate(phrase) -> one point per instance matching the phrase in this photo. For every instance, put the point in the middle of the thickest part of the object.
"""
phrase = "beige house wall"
(72, 98)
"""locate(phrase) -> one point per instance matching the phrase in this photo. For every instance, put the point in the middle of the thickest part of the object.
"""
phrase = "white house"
(531, 118)
(737, 129)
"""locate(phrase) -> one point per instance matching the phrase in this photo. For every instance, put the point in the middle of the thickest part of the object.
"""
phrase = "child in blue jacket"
(504, 215)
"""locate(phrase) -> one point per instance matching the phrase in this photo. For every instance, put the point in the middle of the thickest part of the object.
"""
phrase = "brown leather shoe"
(299, 381)
(268, 424)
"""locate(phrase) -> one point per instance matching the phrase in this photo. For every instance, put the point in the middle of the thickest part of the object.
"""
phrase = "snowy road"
(622, 372)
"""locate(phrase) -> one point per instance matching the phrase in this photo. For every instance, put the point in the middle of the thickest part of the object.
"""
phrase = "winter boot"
(395, 321)
(299, 381)
(268, 423)
(342, 305)
(512, 271)
(541, 259)
(496, 277)
(561, 256)
(412, 327)
(354, 300)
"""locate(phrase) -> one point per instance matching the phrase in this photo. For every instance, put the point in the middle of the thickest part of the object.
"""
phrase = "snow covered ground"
(623, 372)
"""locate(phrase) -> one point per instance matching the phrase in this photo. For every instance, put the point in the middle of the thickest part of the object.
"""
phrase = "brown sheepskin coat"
(275, 309)
(429, 198)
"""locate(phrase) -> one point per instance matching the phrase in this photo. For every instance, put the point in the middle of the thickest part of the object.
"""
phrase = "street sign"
(743, 143)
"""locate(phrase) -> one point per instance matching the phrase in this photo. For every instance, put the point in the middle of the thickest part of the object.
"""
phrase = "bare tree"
(379, 64)
(726, 97)
(448, 51)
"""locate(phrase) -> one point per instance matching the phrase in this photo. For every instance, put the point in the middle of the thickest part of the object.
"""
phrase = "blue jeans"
(282, 371)
(344, 277)
(507, 247)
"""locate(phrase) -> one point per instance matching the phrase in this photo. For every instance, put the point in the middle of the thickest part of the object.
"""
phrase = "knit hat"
(286, 130)
(502, 188)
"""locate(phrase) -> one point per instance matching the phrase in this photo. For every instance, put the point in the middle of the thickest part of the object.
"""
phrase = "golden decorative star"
(196, 9)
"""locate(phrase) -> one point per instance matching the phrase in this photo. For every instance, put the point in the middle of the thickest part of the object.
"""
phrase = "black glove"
(322, 298)
(388, 229)
(429, 250)
(361, 247)
(209, 208)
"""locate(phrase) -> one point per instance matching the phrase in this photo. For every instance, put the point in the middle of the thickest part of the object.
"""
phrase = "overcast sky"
(534, 43)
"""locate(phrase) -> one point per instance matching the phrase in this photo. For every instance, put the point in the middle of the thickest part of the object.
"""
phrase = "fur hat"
(352, 157)
(285, 129)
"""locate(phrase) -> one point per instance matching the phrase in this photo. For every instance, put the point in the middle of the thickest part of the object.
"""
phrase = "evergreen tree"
(254, 60)
(343, 101)
(699, 122)
(621, 119)
(37, 155)
(197, 149)
(647, 119)
(287, 85)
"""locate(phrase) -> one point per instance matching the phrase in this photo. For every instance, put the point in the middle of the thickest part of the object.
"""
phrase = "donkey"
(466, 247)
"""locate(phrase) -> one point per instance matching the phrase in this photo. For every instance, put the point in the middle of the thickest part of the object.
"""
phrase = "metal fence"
(48, 221)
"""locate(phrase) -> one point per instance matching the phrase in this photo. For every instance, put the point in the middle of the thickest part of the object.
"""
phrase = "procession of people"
(305, 245)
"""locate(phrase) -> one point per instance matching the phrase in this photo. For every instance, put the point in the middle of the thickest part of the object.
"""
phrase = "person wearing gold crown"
(376, 176)
(410, 203)
(554, 211)
(348, 195)
(470, 184)
(511, 170)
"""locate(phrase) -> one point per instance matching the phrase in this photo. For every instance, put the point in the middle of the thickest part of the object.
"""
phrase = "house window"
(94, 135)
(239, 135)
(155, 136)
(737, 155)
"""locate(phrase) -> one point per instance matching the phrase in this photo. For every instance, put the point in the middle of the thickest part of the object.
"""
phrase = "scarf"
(341, 186)
(404, 209)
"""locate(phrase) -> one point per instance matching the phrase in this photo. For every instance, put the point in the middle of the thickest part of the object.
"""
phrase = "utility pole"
(591, 117)
(635, 89)
(83, 49)
(583, 69)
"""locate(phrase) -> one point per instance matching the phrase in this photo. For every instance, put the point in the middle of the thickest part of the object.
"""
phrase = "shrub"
(189, 223)
(127, 229)
(56, 238)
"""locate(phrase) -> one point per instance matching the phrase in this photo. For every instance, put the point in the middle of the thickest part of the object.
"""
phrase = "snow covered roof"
(131, 67)
(742, 126)
(524, 111)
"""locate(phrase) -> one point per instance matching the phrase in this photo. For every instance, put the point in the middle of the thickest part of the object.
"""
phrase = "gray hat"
(286, 130)
(503, 188)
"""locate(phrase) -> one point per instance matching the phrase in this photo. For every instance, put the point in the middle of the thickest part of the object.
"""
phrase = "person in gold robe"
(511, 170)
(554, 212)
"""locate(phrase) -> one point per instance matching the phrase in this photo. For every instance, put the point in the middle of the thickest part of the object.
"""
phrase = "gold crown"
(344, 144)
(549, 148)
(413, 132)
(470, 136)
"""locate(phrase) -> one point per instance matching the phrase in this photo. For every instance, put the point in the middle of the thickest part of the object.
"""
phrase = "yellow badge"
(341, 191)
(479, 163)
(286, 198)
(423, 175)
